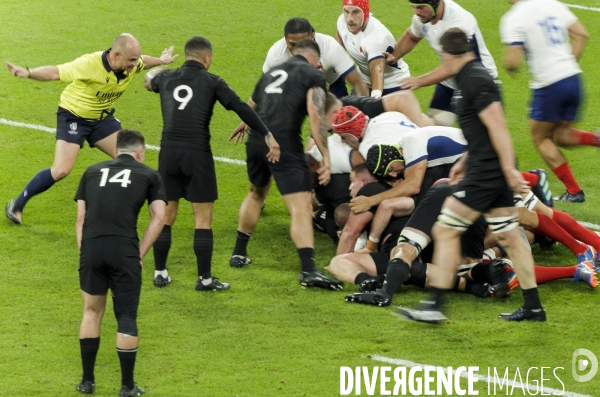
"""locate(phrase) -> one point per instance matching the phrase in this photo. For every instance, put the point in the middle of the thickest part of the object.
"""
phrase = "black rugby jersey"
(281, 99)
(476, 91)
(114, 191)
(187, 99)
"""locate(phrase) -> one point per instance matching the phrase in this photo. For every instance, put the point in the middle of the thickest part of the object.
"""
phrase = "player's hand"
(410, 83)
(515, 180)
(18, 71)
(274, 150)
(167, 56)
(390, 59)
(350, 140)
(324, 172)
(360, 204)
(239, 133)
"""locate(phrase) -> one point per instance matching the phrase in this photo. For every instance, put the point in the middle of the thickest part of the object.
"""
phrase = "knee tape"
(502, 224)
(530, 201)
(449, 218)
(415, 239)
(126, 323)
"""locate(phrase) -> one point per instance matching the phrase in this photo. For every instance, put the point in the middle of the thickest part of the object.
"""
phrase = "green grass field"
(266, 336)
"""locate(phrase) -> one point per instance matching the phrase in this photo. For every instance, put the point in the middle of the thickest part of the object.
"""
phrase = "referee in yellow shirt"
(85, 111)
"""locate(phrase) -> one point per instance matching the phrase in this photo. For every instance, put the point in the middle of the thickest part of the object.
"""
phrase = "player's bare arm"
(360, 87)
(579, 37)
(166, 57)
(150, 75)
(411, 185)
(315, 98)
(81, 208)
(437, 75)
(493, 118)
(157, 221)
(376, 67)
(405, 44)
(352, 230)
(243, 128)
(513, 57)
(42, 73)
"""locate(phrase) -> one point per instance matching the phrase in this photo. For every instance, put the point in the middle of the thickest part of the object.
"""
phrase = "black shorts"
(109, 262)
(74, 129)
(431, 176)
(188, 173)
(381, 260)
(291, 173)
(483, 191)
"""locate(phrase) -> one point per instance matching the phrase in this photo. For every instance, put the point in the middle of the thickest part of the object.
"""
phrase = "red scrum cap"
(362, 4)
(349, 120)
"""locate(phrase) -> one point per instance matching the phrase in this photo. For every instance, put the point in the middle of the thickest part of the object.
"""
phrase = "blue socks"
(41, 182)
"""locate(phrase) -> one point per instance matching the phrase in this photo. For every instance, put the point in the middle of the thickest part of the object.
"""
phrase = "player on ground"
(283, 98)
(542, 29)
(188, 96)
(85, 111)
(431, 19)
(365, 39)
(487, 187)
(109, 199)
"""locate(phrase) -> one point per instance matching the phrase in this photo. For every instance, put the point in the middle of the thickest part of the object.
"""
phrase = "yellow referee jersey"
(94, 85)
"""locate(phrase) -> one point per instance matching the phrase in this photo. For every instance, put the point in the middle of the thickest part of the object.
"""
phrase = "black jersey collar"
(302, 58)
(193, 62)
(464, 68)
(120, 75)
(127, 158)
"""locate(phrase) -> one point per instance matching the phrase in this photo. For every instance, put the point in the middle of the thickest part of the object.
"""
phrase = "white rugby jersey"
(542, 27)
(339, 155)
(386, 129)
(334, 61)
(438, 145)
(370, 44)
(455, 17)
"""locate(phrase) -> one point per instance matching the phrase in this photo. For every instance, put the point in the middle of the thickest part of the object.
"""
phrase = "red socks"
(585, 137)
(531, 177)
(563, 172)
(547, 227)
(579, 232)
(543, 274)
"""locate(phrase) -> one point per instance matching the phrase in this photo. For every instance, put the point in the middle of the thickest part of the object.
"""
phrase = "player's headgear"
(432, 4)
(362, 4)
(379, 158)
(349, 120)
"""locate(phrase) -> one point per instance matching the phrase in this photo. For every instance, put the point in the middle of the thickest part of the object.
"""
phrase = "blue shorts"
(74, 129)
(442, 98)
(387, 91)
(558, 101)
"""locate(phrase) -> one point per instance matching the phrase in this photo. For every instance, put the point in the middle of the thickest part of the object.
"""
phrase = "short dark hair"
(297, 25)
(362, 167)
(197, 45)
(307, 45)
(130, 140)
(455, 42)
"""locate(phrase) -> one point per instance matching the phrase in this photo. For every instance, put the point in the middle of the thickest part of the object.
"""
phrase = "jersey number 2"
(274, 88)
(121, 177)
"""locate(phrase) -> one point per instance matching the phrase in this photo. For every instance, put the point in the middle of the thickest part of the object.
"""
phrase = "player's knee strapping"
(125, 308)
(528, 202)
(416, 240)
(451, 219)
(501, 224)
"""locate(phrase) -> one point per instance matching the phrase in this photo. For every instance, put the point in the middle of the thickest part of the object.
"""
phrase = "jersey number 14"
(121, 177)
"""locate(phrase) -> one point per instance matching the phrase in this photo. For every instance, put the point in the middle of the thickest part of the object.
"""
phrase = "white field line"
(583, 7)
(150, 147)
(406, 363)
(157, 148)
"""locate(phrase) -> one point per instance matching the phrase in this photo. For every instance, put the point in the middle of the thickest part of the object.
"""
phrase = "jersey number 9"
(183, 100)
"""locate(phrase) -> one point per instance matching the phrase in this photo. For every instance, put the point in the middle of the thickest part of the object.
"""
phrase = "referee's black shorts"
(188, 173)
(291, 172)
(109, 262)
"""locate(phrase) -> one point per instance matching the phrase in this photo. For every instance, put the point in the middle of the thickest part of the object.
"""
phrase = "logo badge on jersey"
(73, 129)
(107, 79)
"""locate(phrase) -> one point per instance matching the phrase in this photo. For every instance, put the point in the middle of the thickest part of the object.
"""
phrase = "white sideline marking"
(582, 7)
(406, 363)
(151, 147)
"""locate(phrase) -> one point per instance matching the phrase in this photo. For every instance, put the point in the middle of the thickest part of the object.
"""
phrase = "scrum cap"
(432, 4)
(379, 158)
(349, 120)
(362, 4)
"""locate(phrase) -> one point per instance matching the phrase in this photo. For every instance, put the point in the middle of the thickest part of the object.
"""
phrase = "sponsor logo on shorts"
(73, 129)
